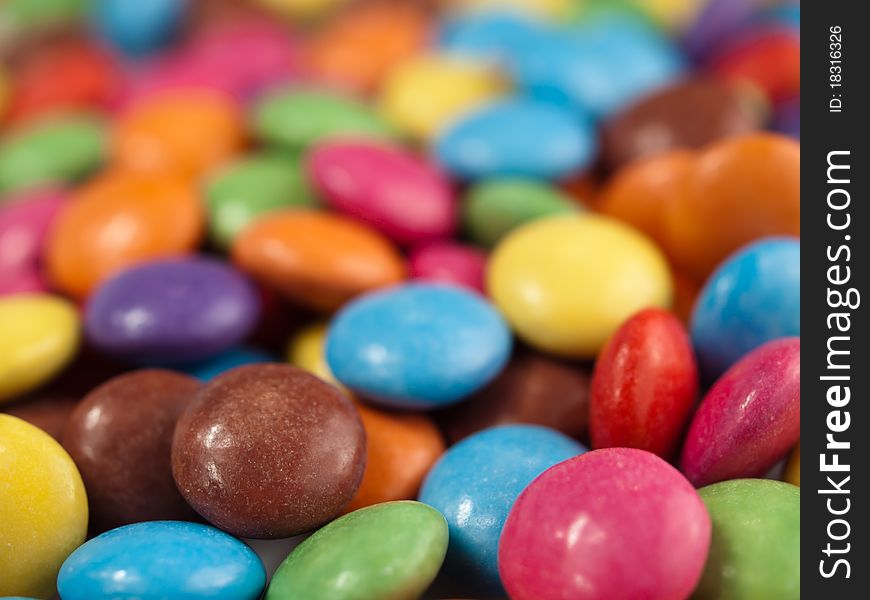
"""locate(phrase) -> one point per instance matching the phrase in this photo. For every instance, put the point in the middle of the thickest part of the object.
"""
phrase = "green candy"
(755, 551)
(492, 208)
(254, 185)
(389, 551)
(23, 14)
(55, 149)
(295, 119)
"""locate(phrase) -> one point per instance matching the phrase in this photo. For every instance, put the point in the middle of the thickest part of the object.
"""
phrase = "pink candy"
(449, 262)
(24, 224)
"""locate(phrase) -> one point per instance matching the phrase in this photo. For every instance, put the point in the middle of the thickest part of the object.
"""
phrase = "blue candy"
(162, 559)
(490, 35)
(417, 346)
(138, 27)
(519, 137)
(211, 368)
(475, 484)
(752, 298)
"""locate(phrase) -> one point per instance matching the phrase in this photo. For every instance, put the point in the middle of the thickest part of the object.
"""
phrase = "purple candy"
(718, 21)
(172, 311)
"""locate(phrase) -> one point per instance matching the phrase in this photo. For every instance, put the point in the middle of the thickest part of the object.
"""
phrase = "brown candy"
(120, 437)
(269, 451)
(690, 114)
(48, 411)
(534, 389)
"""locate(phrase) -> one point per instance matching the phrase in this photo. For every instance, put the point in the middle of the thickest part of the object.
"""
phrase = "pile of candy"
(445, 298)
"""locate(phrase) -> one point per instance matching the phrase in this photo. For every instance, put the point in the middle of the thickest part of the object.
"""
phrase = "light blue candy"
(494, 35)
(138, 27)
(518, 137)
(237, 357)
(162, 559)
(475, 483)
(752, 298)
(417, 346)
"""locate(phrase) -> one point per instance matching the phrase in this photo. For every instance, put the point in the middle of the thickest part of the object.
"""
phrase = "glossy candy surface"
(644, 386)
(749, 419)
(417, 346)
(391, 550)
(226, 444)
(43, 508)
(477, 481)
(611, 523)
(162, 558)
(449, 262)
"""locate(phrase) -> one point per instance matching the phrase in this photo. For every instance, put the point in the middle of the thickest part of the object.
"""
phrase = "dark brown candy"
(120, 437)
(533, 389)
(690, 114)
(269, 451)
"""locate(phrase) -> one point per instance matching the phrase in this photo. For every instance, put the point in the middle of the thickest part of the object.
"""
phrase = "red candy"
(449, 262)
(644, 385)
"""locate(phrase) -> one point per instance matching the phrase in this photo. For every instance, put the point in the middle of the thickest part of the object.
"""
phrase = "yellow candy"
(566, 283)
(304, 9)
(793, 468)
(552, 9)
(673, 14)
(424, 94)
(306, 351)
(39, 335)
(43, 509)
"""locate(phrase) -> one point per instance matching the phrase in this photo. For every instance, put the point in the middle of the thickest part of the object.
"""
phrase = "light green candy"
(389, 551)
(55, 149)
(493, 207)
(38, 13)
(254, 185)
(755, 551)
(295, 119)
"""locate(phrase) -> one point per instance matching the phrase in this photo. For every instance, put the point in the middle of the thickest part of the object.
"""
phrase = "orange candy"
(185, 130)
(401, 450)
(318, 259)
(119, 219)
(357, 48)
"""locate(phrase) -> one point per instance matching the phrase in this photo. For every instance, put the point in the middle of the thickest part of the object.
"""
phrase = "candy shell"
(492, 35)
(520, 138)
(306, 350)
(138, 28)
(752, 298)
(417, 346)
(733, 434)
(226, 444)
(541, 277)
(43, 508)
(318, 259)
(391, 550)
(611, 523)
(449, 262)
(550, 9)
(162, 558)
(475, 484)
(24, 223)
(301, 9)
(755, 550)
(392, 190)
(767, 57)
(40, 336)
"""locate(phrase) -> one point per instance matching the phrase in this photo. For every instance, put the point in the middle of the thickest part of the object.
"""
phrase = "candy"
(43, 508)
(301, 9)
(130, 418)
(186, 131)
(552, 9)
(306, 350)
(320, 260)
(752, 298)
(493, 207)
(491, 35)
(449, 262)
(172, 310)
(138, 28)
(24, 224)
(425, 94)
(533, 388)
(40, 336)
(212, 367)
(521, 138)
(417, 346)
(245, 189)
(159, 559)
(119, 219)
(477, 481)
(49, 411)
(226, 445)
(541, 276)
(54, 149)
(391, 550)
(732, 435)
(294, 119)
(644, 385)
(793, 467)
(612, 523)
(756, 533)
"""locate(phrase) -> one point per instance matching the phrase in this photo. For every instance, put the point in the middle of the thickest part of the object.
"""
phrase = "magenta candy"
(449, 262)
(24, 223)
(21, 281)
(393, 190)
(749, 419)
(610, 524)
